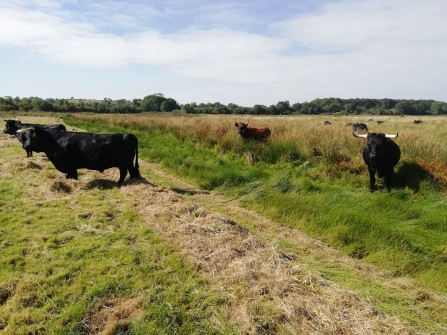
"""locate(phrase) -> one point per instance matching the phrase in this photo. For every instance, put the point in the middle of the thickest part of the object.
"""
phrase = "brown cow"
(252, 134)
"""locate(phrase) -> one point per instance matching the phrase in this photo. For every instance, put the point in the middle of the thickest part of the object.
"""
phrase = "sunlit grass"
(89, 229)
(311, 177)
(67, 247)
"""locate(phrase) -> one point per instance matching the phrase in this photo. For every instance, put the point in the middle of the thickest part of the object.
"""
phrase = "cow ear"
(236, 124)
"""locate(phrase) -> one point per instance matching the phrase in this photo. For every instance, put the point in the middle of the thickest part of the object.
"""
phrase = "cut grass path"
(397, 296)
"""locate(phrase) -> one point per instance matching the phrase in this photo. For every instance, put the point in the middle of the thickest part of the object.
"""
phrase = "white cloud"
(345, 48)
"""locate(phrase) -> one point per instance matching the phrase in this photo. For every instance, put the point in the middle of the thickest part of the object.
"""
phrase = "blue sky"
(244, 52)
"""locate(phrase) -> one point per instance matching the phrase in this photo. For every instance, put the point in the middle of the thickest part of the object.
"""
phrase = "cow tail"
(137, 166)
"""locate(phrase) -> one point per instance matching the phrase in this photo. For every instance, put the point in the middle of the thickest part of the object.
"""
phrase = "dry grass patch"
(268, 292)
(59, 186)
(9, 141)
(109, 316)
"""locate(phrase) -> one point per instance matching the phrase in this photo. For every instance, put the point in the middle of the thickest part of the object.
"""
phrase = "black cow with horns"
(69, 151)
(381, 155)
(11, 127)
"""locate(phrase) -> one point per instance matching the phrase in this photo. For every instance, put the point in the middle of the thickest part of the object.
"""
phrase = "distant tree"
(165, 107)
(283, 107)
(388, 103)
(296, 108)
(420, 108)
(333, 107)
(25, 105)
(405, 107)
(350, 107)
(438, 107)
(8, 104)
(41, 105)
(173, 105)
(232, 106)
(152, 103)
(189, 108)
(260, 110)
(273, 110)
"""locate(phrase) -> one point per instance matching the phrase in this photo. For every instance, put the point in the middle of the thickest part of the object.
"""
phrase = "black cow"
(12, 126)
(417, 121)
(327, 123)
(381, 155)
(69, 151)
(359, 127)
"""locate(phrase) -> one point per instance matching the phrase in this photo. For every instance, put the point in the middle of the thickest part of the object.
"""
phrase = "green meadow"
(72, 250)
(324, 195)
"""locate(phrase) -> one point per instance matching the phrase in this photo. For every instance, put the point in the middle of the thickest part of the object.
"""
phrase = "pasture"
(210, 241)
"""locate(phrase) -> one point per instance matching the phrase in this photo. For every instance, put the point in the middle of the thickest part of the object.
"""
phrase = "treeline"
(159, 103)
(150, 103)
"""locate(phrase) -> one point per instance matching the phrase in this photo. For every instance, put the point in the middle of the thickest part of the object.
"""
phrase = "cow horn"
(24, 130)
(2, 118)
(15, 117)
(246, 123)
(360, 136)
(391, 136)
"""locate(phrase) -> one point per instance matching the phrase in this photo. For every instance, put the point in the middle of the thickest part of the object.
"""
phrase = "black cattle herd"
(69, 150)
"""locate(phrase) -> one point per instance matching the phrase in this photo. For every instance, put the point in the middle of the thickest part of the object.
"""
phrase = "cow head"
(28, 136)
(11, 126)
(241, 127)
(375, 144)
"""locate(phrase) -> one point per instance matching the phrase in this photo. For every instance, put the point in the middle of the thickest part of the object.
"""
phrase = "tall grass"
(311, 177)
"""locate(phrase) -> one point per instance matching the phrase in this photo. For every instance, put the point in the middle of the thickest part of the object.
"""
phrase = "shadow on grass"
(411, 175)
(101, 184)
(107, 184)
(188, 192)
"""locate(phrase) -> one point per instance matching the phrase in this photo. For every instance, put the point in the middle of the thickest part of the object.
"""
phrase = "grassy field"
(159, 256)
(324, 195)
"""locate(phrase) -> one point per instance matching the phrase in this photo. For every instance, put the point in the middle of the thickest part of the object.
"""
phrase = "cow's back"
(97, 151)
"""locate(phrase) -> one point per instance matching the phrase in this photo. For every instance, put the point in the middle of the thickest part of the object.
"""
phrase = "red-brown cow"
(252, 134)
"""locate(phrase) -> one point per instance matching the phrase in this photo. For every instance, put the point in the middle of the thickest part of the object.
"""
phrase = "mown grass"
(66, 248)
(312, 178)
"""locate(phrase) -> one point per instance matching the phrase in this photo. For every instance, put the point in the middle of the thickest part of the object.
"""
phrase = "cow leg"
(133, 171)
(388, 178)
(72, 175)
(123, 173)
(372, 180)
